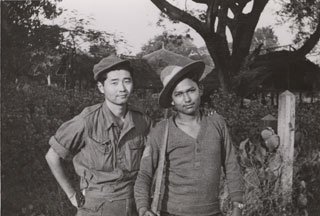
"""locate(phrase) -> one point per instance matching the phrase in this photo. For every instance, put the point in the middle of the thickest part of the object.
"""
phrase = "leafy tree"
(265, 36)
(180, 44)
(304, 17)
(230, 15)
(77, 35)
(23, 32)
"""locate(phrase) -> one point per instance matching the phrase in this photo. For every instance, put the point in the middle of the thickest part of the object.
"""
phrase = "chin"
(190, 112)
(121, 102)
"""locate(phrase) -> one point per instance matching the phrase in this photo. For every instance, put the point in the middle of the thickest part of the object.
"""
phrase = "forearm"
(144, 179)
(142, 190)
(55, 164)
(233, 170)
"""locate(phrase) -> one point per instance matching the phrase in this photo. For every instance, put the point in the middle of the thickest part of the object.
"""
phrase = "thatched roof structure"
(161, 58)
(278, 71)
(145, 77)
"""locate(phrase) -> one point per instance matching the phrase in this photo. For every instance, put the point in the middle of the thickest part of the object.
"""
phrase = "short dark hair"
(104, 75)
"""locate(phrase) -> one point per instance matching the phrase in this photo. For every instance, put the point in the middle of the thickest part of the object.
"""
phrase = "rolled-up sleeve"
(69, 138)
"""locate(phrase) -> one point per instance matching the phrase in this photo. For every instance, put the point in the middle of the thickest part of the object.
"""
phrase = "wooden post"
(286, 124)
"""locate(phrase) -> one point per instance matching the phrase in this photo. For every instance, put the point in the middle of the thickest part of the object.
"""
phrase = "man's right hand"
(77, 199)
(145, 212)
(73, 200)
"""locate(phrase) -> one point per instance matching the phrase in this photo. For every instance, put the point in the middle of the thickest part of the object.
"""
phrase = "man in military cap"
(106, 142)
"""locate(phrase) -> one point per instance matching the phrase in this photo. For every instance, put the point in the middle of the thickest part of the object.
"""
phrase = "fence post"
(286, 124)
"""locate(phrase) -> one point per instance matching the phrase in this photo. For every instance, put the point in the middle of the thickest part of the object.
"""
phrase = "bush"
(30, 118)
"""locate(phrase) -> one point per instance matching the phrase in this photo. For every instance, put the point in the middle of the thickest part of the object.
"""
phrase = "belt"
(110, 192)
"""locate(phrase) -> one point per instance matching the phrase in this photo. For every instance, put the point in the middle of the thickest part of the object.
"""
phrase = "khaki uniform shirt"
(105, 156)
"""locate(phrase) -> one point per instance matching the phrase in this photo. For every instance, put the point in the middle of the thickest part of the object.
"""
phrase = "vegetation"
(239, 18)
(32, 112)
(30, 117)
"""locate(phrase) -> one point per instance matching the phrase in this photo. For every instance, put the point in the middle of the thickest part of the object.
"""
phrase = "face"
(117, 87)
(186, 97)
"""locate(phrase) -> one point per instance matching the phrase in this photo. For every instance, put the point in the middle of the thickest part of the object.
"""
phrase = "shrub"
(30, 117)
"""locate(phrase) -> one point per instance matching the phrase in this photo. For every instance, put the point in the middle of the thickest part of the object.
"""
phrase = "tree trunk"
(213, 30)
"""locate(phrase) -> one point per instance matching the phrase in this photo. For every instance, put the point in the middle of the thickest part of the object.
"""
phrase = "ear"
(100, 87)
(201, 89)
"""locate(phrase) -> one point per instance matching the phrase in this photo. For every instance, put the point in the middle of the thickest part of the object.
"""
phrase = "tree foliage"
(24, 34)
(36, 49)
(304, 16)
(265, 36)
(237, 17)
(180, 44)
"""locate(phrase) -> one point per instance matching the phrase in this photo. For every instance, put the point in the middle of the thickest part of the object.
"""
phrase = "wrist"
(237, 205)
(142, 210)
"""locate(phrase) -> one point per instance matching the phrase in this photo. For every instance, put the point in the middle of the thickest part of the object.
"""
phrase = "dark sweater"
(193, 168)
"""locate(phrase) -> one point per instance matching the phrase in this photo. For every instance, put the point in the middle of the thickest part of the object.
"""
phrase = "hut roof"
(161, 58)
(280, 70)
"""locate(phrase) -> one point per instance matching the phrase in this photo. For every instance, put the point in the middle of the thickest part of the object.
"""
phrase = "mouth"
(123, 96)
(189, 106)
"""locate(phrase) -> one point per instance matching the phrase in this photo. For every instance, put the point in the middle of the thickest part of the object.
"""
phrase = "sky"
(136, 21)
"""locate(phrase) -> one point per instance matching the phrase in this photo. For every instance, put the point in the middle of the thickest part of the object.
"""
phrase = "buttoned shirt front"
(105, 156)
(193, 167)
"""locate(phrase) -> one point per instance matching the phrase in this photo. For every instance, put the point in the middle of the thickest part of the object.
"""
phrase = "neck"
(183, 118)
(117, 110)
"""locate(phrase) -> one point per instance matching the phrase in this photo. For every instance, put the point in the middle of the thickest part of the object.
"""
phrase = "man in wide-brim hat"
(197, 147)
(106, 142)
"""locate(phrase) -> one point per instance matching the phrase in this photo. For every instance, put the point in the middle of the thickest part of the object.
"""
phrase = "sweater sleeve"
(148, 165)
(231, 167)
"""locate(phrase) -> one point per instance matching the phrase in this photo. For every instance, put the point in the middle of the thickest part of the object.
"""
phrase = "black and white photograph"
(160, 108)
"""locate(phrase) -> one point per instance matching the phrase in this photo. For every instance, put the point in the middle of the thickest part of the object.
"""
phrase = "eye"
(128, 81)
(192, 90)
(177, 94)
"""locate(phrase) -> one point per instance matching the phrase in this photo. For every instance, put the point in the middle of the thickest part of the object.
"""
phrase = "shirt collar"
(108, 116)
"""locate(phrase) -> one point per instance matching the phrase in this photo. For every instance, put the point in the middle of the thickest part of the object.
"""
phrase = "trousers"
(168, 214)
(104, 207)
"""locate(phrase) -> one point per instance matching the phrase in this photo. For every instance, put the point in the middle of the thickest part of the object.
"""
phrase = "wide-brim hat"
(109, 63)
(171, 74)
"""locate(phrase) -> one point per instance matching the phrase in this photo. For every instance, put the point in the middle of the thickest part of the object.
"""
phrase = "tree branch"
(223, 15)
(180, 15)
(232, 5)
(309, 43)
(212, 13)
(243, 32)
(202, 1)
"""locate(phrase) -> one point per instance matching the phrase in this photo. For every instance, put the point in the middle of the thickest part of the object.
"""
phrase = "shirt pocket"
(134, 150)
(104, 147)
(98, 154)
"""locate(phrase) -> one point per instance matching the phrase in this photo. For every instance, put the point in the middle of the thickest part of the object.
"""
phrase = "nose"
(187, 98)
(122, 87)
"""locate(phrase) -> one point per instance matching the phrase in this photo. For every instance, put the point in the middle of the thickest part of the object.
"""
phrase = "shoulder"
(159, 128)
(138, 113)
(216, 119)
(90, 110)
(140, 117)
(79, 121)
(157, 133)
